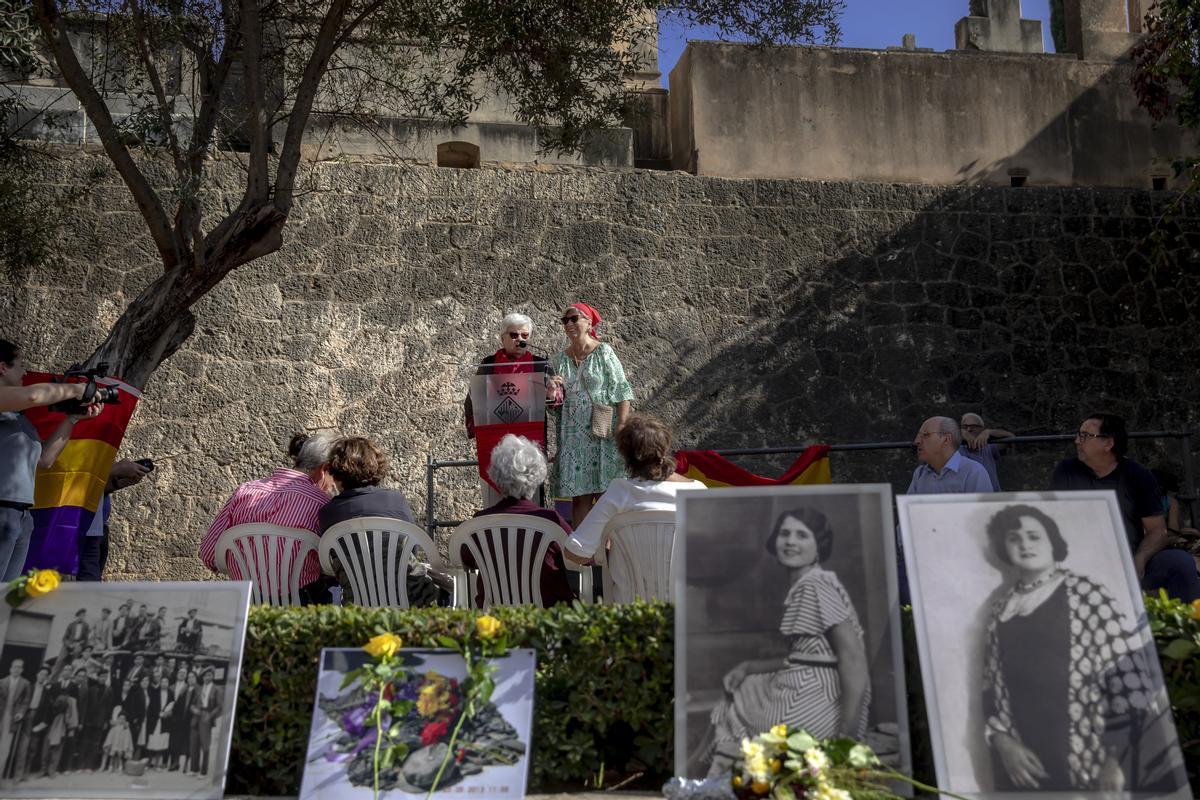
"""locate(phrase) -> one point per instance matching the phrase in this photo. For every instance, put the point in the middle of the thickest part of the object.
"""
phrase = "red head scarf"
(592, 314)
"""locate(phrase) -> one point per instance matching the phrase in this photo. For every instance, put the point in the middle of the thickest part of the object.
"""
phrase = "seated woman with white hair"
(514, 357)
(518, 468)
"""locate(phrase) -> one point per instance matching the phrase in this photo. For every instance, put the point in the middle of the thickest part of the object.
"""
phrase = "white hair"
(515, 320)
(315, 450)
(518, 467)
(948, 425)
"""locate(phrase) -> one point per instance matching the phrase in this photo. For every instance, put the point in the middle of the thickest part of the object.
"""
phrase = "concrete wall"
(937, 118)
(747, 312)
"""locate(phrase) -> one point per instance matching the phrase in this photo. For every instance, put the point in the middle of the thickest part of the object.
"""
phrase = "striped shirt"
(288, 498)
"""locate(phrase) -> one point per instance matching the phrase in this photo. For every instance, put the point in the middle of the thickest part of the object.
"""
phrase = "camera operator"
(22, 452)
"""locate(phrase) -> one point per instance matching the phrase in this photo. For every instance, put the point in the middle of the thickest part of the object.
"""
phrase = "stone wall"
(747, 312)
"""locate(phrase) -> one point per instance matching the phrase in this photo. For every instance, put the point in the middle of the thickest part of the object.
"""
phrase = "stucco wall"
(940, 118)
(747, 312)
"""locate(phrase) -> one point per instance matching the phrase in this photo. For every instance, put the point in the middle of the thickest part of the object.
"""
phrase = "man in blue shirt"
(977, 445)
(943, 469)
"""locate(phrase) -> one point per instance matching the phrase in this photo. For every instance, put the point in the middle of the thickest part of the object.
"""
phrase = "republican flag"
(67, 494)
(812, 466)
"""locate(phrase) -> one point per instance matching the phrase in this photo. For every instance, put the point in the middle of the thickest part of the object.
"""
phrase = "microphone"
(522, 343)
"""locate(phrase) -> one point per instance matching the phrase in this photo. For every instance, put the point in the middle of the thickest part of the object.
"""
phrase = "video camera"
(93, 393)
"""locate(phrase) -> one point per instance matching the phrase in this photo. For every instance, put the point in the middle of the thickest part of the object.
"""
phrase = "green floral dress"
(586, 464)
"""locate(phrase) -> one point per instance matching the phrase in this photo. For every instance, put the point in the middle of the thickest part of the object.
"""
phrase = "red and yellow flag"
(812, 466)
(67, 494)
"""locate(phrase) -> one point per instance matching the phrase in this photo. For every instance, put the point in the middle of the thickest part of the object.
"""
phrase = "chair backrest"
(640, 562)
(270, 557)
(375, 553)
(508, 550)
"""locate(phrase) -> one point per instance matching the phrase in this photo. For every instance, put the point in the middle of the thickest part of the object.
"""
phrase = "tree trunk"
(160, 320)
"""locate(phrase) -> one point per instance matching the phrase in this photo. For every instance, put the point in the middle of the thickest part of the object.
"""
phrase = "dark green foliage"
(1176, 628)
(605, 687)
(1058, 26)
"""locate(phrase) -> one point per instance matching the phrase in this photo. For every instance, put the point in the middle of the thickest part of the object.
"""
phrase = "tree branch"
(257, 181)
(213, 75)
(306, 92)
(54, 31)
(142, 36)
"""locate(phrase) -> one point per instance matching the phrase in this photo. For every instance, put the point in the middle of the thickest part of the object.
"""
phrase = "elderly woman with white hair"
(518, 468)
(513, 357)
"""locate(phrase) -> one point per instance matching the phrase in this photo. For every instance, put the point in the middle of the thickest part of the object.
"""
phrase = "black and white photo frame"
(1039, 670)
(784, 595)
(118, 690)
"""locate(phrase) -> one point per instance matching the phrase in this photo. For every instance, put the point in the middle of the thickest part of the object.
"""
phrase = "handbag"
(602, 415)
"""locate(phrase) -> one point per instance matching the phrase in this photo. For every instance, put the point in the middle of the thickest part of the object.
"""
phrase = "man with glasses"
(1101, 442)
(943, 468)
(977, 445)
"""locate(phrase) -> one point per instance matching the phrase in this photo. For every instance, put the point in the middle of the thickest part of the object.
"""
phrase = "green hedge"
(604, 689)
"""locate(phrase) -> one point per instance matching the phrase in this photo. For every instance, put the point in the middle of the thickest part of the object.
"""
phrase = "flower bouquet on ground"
(785, 765)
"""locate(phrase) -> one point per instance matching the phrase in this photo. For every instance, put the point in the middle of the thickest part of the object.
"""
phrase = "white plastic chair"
(376, 552)
(511, 568)
(640, 563)
(270, 557)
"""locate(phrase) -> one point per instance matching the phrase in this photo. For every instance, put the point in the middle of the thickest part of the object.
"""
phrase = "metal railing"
(1186, 497)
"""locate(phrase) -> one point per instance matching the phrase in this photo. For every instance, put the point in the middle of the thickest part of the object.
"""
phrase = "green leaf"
(861, 756)
(1179, 649)
(446, 641)
(800, 741)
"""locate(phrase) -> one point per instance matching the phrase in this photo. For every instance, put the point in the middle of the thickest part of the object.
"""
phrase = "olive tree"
(261, 66)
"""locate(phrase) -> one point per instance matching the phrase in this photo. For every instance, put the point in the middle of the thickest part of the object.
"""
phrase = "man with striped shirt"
(287, 497)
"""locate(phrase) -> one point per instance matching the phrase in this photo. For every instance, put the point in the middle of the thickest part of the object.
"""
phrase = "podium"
(504, 402)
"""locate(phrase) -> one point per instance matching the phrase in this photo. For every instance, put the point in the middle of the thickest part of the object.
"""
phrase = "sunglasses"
(569, 320)
(514, 335)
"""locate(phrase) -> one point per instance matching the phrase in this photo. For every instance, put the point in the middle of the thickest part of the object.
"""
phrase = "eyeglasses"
(515, 335)
(972, 427)
(1085, 435)
(569, 320)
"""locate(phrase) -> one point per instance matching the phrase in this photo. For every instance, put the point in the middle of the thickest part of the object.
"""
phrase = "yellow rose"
(385, 645)
(760, 787)
(1196, 609)
(42, 581)
(737, 781)
(776, 766)
(779, 730)
(488, 627)
(432, 699)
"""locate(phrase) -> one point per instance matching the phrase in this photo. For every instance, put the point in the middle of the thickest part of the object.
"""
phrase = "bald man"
(943, 469)
(978, 445)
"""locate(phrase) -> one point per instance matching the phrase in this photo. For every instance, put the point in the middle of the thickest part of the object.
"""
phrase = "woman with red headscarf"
(590, 373)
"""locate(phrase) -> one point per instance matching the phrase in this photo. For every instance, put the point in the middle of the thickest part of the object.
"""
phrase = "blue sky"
(872, 23)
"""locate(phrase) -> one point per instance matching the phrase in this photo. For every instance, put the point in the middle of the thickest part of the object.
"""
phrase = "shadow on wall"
(877, 306)
(1107, 137)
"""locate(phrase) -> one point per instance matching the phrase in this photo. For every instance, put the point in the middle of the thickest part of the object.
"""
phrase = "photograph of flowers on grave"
(433, 722)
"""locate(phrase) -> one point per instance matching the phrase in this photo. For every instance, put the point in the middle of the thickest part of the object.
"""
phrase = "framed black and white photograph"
(487, 758)
(1039, 669)
(120, 689)
(786, 612)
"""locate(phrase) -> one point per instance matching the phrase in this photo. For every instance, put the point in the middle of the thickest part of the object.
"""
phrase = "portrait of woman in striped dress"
(822, 686)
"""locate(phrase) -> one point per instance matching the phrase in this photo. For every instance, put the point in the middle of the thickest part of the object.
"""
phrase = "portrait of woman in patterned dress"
(1048, 718)
(822, 685)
